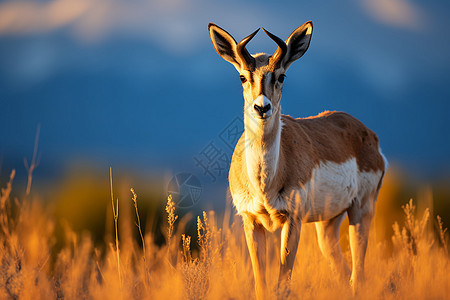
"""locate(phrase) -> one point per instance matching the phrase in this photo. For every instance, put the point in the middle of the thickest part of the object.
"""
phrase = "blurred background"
(136, 85)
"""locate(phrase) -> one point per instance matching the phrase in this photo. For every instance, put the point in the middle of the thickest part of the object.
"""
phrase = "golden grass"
(33, 268)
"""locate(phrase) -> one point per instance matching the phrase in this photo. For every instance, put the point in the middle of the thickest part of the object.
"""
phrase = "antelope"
(286, 171)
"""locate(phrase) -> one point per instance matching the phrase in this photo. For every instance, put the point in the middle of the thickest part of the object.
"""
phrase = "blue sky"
(138, 83)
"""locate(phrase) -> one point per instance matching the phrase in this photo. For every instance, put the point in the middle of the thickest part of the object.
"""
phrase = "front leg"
(255, 234)
(290, 236)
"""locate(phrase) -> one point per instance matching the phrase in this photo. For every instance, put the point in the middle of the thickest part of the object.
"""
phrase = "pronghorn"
(287, 171)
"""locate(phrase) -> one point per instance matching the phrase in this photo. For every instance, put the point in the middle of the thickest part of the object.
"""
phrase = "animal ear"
(297, 43)
(224, 44)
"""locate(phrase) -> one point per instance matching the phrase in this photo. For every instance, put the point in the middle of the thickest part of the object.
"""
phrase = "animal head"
(262, 75)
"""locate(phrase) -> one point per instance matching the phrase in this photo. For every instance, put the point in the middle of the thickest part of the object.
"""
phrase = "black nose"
(262, 110)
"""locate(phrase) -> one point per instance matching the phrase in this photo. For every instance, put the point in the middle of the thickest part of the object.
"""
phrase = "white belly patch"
(331, 191)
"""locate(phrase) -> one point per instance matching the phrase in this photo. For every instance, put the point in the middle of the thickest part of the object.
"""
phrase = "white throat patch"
(262, 163)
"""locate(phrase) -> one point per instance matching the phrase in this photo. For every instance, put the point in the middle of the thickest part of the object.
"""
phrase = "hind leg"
(328, 238)
(360, 217)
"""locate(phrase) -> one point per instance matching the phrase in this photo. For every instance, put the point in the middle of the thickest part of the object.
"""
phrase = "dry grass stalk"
(204, 234)
(171, 218)
(442, 234)
(7, 190)
(30, 168)
(4, 198)
(413, 232)
(138, 225)
(116, 220)
(186, 241)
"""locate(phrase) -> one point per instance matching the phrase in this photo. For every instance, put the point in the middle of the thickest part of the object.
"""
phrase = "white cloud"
(29, 17)
(399, 13)
(173, 24)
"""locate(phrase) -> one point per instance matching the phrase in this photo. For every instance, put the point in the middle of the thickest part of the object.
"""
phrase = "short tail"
(386, 164)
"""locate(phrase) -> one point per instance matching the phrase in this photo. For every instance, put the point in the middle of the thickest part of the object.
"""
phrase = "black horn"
(247, 60)
(278, 56)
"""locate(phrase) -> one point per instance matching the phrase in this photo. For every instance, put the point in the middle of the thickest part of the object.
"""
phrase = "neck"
(262, 150)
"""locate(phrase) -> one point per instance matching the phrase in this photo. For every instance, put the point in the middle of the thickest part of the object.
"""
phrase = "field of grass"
(212, 264)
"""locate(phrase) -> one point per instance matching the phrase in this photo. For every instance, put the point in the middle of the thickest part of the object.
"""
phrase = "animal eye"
(243, 79)
(281, 78)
